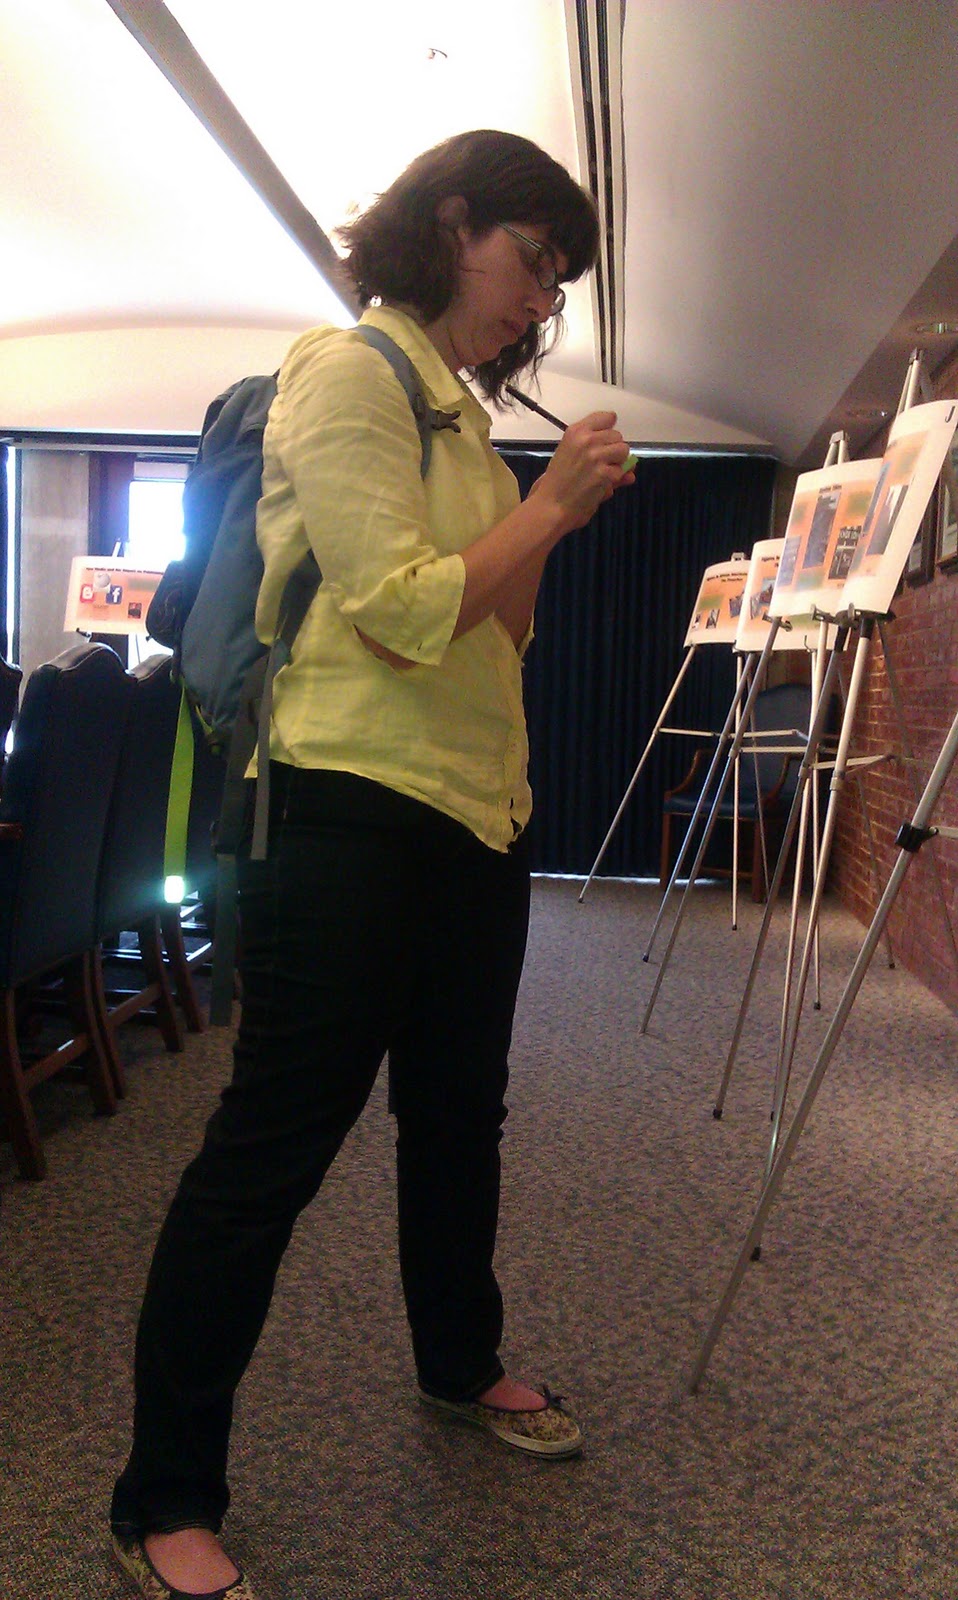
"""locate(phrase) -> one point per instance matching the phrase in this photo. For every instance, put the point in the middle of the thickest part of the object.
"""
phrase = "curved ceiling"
(778, 180)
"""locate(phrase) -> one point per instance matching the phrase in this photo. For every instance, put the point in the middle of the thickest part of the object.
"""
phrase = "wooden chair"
(53, 810)
(783, 709)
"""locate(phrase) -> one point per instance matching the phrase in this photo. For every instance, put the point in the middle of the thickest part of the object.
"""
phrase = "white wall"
(128, 380)
(161, 379)
(53, 526)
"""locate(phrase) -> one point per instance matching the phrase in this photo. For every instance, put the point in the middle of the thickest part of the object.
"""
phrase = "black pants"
(376, 924)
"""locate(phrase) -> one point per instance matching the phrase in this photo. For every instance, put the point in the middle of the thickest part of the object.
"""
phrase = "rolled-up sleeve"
(343, 430)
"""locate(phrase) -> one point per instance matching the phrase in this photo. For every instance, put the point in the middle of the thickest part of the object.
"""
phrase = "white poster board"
(917, 446)
(108, 594)
(753, 624)
(718, 605)
(824, 526)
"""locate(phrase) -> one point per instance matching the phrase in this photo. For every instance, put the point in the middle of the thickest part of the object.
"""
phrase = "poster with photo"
(108, 594)
(718, 605)
(753, 622)
(917, 446)
(824, 526)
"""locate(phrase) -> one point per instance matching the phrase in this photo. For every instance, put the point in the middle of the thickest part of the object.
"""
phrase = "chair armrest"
(770, 796)
(701, 755)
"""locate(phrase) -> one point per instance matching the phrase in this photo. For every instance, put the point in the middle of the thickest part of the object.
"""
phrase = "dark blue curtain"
(613, 610)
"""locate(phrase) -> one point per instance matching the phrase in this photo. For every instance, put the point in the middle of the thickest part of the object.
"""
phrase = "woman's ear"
(453, 212)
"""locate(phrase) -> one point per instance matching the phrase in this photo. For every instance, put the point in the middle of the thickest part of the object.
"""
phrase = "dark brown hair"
(399, 251)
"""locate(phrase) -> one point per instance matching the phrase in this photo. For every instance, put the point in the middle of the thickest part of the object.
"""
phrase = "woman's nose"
(539, 303)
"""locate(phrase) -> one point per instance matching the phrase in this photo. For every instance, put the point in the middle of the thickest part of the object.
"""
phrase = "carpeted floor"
(817, 1461)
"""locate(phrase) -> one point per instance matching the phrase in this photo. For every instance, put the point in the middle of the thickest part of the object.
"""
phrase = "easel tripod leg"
(831, 818)
(816, 730)
(753, 687)
(783, 1158)
(635, 776)
(705, 798)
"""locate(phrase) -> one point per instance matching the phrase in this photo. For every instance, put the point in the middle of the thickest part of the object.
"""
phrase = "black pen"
(534, 406)
(629, 464)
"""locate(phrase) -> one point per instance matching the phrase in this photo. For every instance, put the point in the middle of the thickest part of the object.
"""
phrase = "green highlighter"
(631, 461)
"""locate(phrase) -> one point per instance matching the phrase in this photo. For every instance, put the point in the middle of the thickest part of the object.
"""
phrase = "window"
(156, 513)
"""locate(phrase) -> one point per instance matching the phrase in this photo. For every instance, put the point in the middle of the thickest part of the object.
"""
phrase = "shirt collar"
(445, 390)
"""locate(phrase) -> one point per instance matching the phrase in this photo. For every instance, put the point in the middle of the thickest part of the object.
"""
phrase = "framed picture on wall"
(921, 557)
(947, 542)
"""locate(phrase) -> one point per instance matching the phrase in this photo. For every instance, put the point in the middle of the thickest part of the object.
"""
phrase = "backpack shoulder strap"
(428, 419)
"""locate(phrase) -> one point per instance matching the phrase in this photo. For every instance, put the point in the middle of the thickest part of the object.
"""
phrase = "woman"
(391, 912)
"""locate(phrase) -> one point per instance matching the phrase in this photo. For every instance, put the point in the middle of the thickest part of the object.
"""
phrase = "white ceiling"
(788, 167)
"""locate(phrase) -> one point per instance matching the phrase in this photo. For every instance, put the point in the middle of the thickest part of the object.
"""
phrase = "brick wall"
(923, 651)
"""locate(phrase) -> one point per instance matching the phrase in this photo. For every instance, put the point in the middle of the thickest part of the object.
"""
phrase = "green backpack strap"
(178, 804)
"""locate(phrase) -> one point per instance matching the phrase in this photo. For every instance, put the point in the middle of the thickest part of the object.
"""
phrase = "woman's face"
(498, 294)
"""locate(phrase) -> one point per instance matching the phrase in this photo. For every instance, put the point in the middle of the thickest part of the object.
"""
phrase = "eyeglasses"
(543, 266)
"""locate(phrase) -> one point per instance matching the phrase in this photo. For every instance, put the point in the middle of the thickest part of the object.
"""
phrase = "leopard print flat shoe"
(549, 1432)
(132, 1556)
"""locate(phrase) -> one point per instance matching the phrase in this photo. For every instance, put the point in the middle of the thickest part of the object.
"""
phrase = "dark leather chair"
(53, 812)
(10, 676)
(130, 891)
(784, 709)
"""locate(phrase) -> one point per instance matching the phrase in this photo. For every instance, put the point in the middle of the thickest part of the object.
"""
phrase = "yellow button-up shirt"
(341, 474)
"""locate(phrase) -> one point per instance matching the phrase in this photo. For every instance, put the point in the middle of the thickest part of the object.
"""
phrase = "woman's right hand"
(586, 468)
(503, 566)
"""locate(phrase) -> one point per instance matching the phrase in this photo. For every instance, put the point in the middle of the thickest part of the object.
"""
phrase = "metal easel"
(753, 674)
(824, 683)
(729, 745)
(658, 729)
(866, 622)
(911, 837)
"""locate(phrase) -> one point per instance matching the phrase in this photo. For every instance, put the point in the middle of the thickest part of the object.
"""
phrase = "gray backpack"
(204, 611)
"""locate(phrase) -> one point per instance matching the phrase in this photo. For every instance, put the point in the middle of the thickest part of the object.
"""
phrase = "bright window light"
(156, 522)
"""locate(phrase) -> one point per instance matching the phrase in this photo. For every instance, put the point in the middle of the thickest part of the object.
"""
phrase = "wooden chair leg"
(105, 1031)
(180, 968)
(14, 1099)
(151, 949)
(101, 1062)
